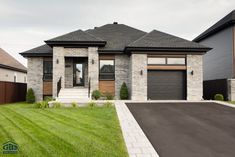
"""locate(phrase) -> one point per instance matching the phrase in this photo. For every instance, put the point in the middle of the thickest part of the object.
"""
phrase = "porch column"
(93, 68)
(58, 68)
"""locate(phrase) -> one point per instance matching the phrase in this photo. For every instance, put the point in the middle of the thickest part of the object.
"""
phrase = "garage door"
(166, 85)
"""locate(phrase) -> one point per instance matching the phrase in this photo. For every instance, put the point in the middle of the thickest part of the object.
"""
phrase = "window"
(176, 61)
(47, 70)
(156, 60)
(107, 71)
(166, 61)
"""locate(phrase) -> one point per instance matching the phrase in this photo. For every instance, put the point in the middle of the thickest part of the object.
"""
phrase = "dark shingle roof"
(7, 61)
(157, 39)
(78, 35)
(116, 35)
(228, 20)
(43, 50)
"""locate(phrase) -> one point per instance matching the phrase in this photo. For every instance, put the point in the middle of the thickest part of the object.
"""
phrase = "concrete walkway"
(137, 143)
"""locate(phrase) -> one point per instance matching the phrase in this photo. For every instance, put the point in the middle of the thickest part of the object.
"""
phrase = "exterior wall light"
(92, 61)
(141, 72)
(191, 72)
(57, 61)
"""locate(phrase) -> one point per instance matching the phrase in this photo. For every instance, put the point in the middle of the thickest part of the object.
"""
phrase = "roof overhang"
(158, 50)
(76, 43)
(213, 31)
(36, 54)
(12, 68)
(110, 51)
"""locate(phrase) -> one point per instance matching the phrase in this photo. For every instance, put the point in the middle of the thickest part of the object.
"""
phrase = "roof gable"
(8, 61)
(226, 21)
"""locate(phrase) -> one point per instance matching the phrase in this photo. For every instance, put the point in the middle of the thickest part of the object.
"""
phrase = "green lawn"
(231, 102)
(58, 132)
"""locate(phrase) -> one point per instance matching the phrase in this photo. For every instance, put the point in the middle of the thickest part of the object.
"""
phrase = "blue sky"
(26, 23)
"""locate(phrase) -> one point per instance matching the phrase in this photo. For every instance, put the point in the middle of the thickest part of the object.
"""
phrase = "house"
(219, 63)
(154, 65)
(10, 69)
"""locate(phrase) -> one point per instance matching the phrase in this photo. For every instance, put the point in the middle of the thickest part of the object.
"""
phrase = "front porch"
(75, 73)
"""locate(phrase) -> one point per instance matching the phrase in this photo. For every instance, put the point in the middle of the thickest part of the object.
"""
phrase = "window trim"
(44, 74)
(106, 73)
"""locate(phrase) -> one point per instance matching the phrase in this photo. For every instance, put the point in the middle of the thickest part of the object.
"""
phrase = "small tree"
(124, 92)
(96, 94)
(219, 97)
(30, 97)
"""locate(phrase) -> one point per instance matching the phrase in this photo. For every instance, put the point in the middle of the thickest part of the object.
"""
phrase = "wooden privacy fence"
(12, 92)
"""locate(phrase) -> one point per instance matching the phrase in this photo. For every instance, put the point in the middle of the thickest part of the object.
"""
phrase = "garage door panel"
(166, 85)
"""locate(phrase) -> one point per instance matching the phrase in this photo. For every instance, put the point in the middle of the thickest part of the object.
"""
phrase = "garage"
(166, 84)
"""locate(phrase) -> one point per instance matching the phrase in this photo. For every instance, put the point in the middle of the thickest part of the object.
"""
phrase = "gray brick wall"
(138, 81)
(93, 69)
(195, 81)
(34, 76)
(121, 73)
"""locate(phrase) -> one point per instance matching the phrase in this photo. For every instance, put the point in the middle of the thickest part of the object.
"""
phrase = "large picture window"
(47, 70)
(107, 70)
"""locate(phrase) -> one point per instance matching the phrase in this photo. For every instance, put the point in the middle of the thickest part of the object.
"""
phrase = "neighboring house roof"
(107, 68)
(119, 38)
(43, 50)
(116, 35)
(156, 40)
(76, 37)
(9, 62)
(225, 22)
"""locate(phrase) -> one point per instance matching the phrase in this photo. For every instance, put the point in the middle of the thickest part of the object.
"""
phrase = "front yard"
(69, 132)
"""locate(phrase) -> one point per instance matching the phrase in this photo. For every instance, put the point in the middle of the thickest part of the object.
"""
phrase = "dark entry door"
(166, 85)
(78, 74)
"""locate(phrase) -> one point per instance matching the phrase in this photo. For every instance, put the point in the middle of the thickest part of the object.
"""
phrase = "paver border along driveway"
(186, 129)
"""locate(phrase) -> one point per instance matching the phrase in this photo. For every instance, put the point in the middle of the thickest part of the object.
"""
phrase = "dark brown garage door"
(166, 85)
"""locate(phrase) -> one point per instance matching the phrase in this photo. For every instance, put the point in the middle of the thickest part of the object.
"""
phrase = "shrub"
(74, 104)
(109, 96)
(57, 105)
(124, 92)
(96, 94)
(30, 97)
(48, 98)
(41, 104)
(91, 104)
(219, 97)
(108, 104)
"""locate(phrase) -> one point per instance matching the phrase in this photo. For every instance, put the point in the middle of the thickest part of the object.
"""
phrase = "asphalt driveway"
(187, 129)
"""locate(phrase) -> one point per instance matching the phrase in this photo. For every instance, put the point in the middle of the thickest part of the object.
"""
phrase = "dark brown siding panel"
(47, 88)
(106, 56)
(107, 87)
(166, 85)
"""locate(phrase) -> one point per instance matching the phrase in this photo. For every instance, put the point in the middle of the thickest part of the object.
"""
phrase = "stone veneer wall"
(58, 68)
(121, 73)
(34, 76)
(93, 69)
(138, 82)
(68, 72)
(195, 81)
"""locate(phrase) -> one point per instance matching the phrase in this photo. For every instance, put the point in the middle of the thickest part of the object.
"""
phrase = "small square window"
(180, 61)
(156, 60)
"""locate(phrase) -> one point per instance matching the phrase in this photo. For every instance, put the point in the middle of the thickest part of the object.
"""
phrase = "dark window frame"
(46, 75)
(111, 74)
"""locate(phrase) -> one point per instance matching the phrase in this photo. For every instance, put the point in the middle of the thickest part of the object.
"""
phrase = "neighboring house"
(154, 65)
(219, 63)
(10, 69)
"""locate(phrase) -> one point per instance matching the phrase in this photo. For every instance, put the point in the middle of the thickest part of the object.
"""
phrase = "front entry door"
(78, 74)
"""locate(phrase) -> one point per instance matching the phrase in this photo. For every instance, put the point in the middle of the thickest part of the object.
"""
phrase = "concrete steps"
(68, 95)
